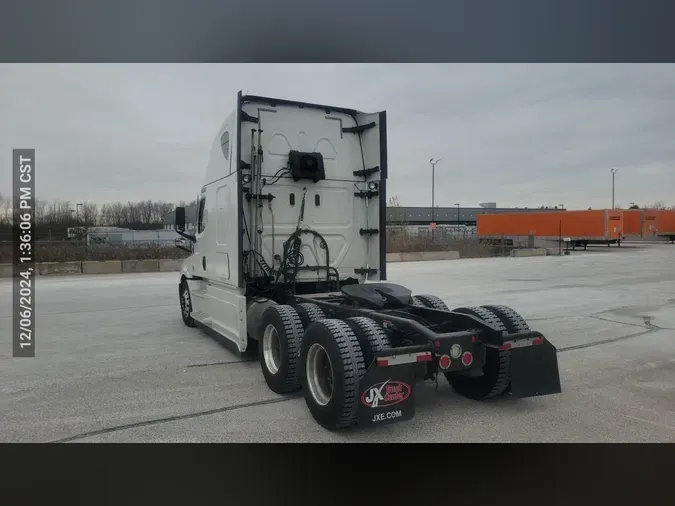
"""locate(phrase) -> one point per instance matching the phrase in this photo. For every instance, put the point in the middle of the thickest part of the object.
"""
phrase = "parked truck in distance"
(289, 257)
(579, 228)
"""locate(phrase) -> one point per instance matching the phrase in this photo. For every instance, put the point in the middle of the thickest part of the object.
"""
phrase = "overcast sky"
(519, 135)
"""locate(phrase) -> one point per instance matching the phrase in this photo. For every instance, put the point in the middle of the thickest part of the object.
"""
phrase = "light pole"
(613, 171)
(457, 213)
(77, 219)
(433, 190)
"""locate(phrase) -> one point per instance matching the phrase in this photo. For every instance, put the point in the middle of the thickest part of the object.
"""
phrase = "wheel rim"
(271, 349)
(185, 302)
(319, 372)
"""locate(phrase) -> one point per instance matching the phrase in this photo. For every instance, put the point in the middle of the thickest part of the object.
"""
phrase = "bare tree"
(117, 214)
(394, 201)
(40, 212)
(5, 210)
(89, 216)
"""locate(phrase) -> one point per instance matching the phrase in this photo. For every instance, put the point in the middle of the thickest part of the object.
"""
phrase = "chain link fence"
(410, 239)
(79, 250)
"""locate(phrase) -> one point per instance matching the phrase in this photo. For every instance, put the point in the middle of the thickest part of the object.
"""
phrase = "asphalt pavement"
(116, 364)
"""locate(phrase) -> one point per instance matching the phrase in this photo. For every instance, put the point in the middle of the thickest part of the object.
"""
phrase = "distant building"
(456, 215)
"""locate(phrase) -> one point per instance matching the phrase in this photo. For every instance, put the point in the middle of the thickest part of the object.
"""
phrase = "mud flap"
(386, 395)
(534, 370)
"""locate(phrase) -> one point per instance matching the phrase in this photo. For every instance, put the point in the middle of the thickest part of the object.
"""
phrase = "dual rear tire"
(496, 373)
(325, 357)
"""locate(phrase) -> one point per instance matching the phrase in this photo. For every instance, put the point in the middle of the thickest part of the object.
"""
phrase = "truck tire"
(432, 302)
(332, 368)
(279, 348)
(496, 376)
(509, 318)
(371, 336)
(186, 304)
(417, 302)
(309, 313)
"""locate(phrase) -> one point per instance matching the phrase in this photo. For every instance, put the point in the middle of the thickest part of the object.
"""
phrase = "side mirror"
(180, 218)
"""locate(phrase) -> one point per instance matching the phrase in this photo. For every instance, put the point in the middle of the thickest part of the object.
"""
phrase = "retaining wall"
(140, 266)
(174, 265)
(170, 264)
(59, 268)
(107, 267)
(422, 256)
(533, 252)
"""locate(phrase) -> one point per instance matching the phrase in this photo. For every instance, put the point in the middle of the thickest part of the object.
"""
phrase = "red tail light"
(444, 362)
(467, 359)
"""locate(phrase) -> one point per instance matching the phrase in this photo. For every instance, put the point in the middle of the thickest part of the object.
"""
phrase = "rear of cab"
(251, 203)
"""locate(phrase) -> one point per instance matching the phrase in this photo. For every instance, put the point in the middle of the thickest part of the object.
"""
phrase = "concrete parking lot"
(116, 364)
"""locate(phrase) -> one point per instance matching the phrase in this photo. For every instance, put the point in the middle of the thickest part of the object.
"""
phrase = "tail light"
(467, 359)
(444, 362)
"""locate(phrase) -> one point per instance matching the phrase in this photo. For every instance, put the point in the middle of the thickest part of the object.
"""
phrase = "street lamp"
(433, 163)
(77, 219)
(613, 171)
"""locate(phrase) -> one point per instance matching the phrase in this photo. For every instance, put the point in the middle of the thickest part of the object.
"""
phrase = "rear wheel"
(333, 366)
(430, 301)
(309, 313)
(279, 348)
(371, 336)
(496, 371)
(186, 304)
(509, 318)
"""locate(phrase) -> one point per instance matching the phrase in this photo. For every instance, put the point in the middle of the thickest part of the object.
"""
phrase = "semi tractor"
(289, 258)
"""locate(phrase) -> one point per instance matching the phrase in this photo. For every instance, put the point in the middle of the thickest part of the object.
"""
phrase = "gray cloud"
(517, 134)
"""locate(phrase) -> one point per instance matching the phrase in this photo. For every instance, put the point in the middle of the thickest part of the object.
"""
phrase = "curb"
(102, 267)
(530, 252)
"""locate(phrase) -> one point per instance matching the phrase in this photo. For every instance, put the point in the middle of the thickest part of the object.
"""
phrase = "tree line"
(142, 213)
(53, 218)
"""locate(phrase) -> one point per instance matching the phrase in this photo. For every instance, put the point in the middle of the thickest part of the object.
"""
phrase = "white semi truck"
(289, 255)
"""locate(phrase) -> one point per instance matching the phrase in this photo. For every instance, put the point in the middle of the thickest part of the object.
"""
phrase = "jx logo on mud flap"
(385, 394)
